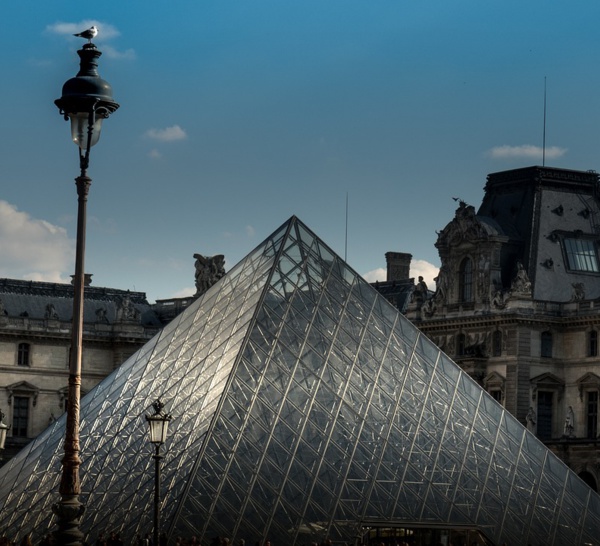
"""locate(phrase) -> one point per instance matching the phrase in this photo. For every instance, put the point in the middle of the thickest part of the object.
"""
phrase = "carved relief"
(127, 312)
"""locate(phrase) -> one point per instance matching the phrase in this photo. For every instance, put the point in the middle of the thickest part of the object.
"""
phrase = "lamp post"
(158, 425)
(86, 100)
(4, 428)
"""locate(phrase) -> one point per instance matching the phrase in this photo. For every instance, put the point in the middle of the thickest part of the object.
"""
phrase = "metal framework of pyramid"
(304, 406)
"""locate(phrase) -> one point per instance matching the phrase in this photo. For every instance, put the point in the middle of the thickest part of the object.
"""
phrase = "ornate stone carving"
(464, 227)
(578, 291)
(101, 315)
(209, 269)
(521, 283)
(127, 312)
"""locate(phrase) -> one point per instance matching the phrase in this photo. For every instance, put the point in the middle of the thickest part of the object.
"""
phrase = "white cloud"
(105, 31)
(379, 274)
(154, 154)
(31, 248)
(426, 270)
(169, 134)
(417, 268)
(526, 151)
(113, 53)
(250, 232)
(183, 293)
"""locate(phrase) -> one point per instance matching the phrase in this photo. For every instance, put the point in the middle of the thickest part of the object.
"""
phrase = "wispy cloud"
(168, 134)
(32, 248)
(113, 53)
(525, 151)
(105, 30)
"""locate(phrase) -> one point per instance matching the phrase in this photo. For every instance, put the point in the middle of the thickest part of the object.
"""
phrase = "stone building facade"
(35, 339)
(517, 304)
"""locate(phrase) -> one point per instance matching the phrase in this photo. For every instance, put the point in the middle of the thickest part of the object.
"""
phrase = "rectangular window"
(23, 354)
(593, 343)
(581, 255)
(544, 414)
(546, 345)
(20, 416)
(592, 414)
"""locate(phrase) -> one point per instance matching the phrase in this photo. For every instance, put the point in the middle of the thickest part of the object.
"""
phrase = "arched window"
(23, 354)
(466, 280)
(593, 343)
(497, 343)
(546, 345)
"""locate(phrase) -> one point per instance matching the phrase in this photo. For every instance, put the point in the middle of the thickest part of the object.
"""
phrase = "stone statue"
(531, 420)
(209, 269)
(3, 311)
(521, 282)
(101, 315)
(578, 291)
(127, 311)
(442, 282)
(419, 294)
(570, 423)
(51, 312)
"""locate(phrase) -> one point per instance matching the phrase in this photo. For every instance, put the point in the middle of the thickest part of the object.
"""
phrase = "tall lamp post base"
(69, 511)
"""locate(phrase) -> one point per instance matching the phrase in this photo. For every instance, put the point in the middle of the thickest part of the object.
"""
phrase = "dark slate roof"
(396, 292)
(31, 299)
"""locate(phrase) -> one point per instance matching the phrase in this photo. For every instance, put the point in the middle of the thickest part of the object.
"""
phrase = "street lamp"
(86, 100)
(4, 428)
(158, 425)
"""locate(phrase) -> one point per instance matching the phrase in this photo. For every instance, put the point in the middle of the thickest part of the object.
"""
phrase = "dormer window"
(581, 255)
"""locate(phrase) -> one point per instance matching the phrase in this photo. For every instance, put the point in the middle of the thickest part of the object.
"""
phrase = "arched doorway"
(588, 478)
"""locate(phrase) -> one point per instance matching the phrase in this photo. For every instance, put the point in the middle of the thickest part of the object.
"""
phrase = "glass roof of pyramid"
(304, 406)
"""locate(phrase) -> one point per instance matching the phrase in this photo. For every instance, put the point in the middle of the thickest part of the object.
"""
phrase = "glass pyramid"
(304, 406)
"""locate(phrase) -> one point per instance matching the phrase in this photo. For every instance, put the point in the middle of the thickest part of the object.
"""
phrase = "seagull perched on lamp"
(88, 34)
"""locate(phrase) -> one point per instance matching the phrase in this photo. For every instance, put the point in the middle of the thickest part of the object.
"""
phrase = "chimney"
(398, 266)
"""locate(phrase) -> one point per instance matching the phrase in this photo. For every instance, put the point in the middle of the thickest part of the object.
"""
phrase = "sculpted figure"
(51, 312)
(127, 311)
(209, 269)
(578, 291)
(521, 281)
(570, 423)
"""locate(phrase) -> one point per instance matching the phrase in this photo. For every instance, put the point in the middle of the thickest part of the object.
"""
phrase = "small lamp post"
(158, 426)
(86, 100)
(4, 428)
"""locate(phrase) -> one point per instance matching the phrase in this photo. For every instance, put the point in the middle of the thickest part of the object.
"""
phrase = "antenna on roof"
(544, 138)
(346, 238)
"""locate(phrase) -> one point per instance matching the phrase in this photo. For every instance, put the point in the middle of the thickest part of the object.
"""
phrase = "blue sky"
(236, 114)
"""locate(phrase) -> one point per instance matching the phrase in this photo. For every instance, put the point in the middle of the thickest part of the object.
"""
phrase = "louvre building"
(304, 406)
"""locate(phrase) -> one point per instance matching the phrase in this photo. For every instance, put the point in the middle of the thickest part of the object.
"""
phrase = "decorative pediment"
(547, 382)
(589, 381)
(464, 227)
(494, 381)
(22, 388)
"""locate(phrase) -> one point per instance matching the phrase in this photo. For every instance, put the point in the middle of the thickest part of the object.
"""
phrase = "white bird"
(88, 34)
